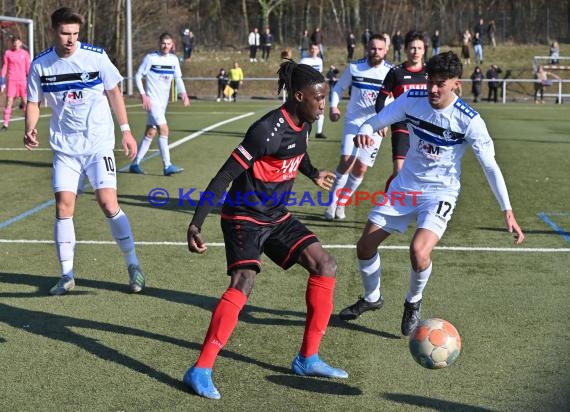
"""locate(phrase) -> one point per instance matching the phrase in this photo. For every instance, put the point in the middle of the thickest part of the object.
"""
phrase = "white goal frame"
(30, 24)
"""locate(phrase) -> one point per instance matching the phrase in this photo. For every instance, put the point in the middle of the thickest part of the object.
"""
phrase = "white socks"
(370, 274)
(64, 233)
(353, 183)
(320, 123)
(164, 150)
(121, 231)
(143, 148)
(339, 183)
(418, 281)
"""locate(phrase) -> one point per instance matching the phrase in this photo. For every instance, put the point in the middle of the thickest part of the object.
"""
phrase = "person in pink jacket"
(15, 68)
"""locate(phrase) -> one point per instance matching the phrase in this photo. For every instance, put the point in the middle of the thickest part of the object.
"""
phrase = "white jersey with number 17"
(438, 140)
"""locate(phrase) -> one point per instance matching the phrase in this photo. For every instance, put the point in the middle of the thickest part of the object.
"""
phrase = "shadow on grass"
(317, 385)
(25, 163)
(431, 403)
(247, 315)
(60, 327)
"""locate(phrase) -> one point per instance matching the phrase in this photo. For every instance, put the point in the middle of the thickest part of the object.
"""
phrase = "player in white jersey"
(365, 77)
(74, 78)
(159, 68)
(316, 63)
(441, 128)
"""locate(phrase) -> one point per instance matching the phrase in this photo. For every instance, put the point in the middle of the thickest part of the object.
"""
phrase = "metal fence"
(510, 90)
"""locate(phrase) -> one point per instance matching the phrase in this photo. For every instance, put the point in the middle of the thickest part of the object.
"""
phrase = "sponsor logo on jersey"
(73, 97)
(245, 153)
(429, 150)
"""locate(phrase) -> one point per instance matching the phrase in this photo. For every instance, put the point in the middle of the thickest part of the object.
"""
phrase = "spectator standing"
(350, 46)
(435, 43)
(188, 43)
(541, 81)
(332, 78)
(222, 83)
(465, 46)
(253, 41)
(317, 64)
(15, 68)
(397, 43)
(81, 86)
(426, 42)
(318, 38)
(304, 44)
(554, 53)
(477, 83)
(364, 39)
(159, 68)
(493, 83)
(491, 29)
(480, 28)
(478, 48)
(236, 80)
(266, 43)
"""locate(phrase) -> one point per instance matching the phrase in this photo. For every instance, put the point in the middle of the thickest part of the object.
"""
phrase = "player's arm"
(239, 161)
(141, 72)
(180, 86)
(32, 115)
(485, 153)
(30, 131)
(337, 92)
(322, 178)
(115, 96)
(394, 112)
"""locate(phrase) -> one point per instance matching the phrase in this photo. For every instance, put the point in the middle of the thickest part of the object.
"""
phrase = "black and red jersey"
(262, 168)
(399, 80)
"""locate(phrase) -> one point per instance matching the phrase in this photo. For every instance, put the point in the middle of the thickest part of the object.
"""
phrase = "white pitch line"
(393, 247)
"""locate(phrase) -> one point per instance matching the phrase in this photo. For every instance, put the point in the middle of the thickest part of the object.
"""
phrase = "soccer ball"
(435, 343)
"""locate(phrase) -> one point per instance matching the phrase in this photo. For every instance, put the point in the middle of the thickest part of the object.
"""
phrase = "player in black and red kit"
(409, 75)
(255, 220)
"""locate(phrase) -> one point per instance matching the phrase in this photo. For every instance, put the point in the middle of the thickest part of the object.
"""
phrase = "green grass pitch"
(101, 348)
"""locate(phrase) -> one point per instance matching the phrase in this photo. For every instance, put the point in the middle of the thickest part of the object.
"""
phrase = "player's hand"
(325, 180)
(129, 145)
(196, 242)
(334, 114)
(512, 225)
(363, 140)
(146, 103)
(31, 139)
(383, 132)
(185, 99)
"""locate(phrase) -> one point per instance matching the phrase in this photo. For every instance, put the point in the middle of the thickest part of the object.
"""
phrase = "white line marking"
(393, 247)
(49, 203)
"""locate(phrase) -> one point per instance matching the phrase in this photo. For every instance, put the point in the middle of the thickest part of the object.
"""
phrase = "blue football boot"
(314, 366)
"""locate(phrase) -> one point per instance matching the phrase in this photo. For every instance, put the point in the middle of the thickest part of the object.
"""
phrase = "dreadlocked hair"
(293, 77)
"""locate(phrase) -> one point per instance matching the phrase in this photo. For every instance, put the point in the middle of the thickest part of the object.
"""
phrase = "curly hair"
(293, 77)
(445, 64)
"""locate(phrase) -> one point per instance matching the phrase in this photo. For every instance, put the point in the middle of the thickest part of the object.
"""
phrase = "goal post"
(30, 25)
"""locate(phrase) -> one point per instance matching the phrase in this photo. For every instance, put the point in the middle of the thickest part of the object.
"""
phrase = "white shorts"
(69, 171)
(367, 155)
(431, 212)
(157, 115)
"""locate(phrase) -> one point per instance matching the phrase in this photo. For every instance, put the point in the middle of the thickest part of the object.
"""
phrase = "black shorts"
(400, 140)
(246, 239)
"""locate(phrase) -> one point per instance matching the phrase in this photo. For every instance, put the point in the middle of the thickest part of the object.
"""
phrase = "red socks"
(224, 320)
(319, 297)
